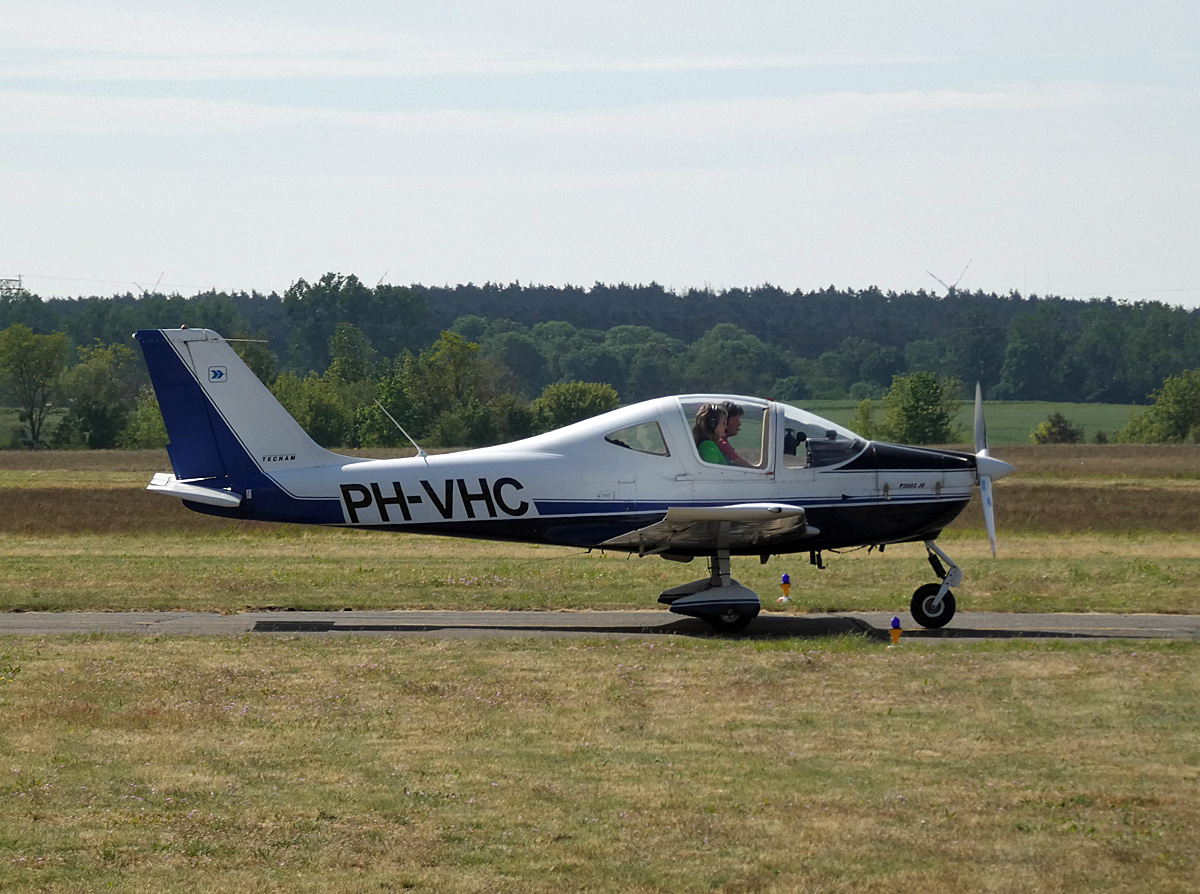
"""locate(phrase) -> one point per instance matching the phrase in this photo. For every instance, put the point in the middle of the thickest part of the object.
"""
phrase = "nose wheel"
(930, 611)
(932, 605)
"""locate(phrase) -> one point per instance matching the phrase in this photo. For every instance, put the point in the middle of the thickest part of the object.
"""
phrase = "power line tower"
(10, 287)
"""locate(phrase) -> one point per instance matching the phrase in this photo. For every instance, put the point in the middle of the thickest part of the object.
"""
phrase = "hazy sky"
(243, 145)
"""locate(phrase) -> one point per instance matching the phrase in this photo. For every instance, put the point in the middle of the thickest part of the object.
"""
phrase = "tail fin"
(222, 421)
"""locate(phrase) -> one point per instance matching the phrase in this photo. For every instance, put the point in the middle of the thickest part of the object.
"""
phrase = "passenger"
(708, 431)
(735, 413)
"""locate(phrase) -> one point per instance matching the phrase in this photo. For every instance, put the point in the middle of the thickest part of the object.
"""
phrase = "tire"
(729, 622)
(921, 607)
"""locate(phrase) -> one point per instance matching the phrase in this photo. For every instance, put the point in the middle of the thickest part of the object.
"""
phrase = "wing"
(705, 528)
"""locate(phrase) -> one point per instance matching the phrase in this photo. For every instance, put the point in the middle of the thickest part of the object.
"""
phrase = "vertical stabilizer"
(222, 421)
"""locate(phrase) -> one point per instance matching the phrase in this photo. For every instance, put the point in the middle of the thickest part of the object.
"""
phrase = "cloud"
(834, 112)
(411, 62)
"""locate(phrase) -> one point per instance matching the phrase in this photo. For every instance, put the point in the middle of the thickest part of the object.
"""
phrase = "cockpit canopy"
(766, 435)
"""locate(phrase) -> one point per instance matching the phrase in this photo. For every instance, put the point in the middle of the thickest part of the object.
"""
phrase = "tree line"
(472, 364)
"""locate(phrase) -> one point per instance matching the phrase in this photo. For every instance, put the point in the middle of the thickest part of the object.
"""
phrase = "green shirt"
(711, 453)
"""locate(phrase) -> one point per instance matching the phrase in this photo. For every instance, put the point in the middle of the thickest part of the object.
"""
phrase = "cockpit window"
(810, 441)
(745, 443)
(644, 438)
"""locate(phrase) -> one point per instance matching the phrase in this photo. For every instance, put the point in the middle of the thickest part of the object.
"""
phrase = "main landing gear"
(718, 599)
(933, 604)
(728, 607)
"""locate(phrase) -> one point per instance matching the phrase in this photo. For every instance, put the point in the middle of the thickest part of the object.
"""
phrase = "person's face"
(732, 426)
(720, 428)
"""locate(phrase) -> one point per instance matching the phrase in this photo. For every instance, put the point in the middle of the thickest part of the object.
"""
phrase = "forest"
(330, 347)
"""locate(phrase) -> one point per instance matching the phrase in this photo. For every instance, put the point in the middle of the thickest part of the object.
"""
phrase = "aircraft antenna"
(420, 450)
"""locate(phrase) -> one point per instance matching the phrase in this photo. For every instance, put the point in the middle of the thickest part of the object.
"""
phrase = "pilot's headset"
(711, 418)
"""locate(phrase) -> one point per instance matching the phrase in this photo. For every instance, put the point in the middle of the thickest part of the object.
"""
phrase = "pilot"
(708, 432)
(735, 413)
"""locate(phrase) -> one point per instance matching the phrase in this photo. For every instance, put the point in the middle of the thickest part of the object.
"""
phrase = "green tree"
(1174, 415)
(591, 363)
(925, 355)
(651, 362)
(858, 360)
(316, 403)
(259, 357)
(1033, 358)
(100, 393)
(394, 316)
(863, 422)
(1057, 430)
(375, 429)
(519, 352)
(727, 358)
(1094, 363)
(352, 357)
(448, 395)
(975, 349)
(146, 428)
(568, 402)
(919, 409)
(30, 367)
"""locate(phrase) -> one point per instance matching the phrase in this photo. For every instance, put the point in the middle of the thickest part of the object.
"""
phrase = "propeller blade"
(980, 426)
(989, 511)
(988, 468)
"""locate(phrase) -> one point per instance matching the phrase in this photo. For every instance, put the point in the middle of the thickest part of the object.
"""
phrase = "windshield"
(809, 440)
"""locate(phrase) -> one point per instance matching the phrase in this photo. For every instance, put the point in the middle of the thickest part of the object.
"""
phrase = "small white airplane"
(641, 479)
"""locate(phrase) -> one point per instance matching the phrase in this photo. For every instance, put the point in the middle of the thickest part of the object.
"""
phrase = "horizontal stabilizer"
(162, 483)
(704, 528)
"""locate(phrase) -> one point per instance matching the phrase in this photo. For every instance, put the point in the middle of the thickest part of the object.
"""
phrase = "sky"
(1046, 148)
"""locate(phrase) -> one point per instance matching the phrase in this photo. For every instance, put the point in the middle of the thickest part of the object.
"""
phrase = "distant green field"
(1008, 422)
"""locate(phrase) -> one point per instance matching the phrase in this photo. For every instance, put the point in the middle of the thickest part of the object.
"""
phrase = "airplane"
(631, 480)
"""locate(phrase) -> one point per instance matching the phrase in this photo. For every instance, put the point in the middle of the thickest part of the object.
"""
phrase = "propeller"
(988, 467)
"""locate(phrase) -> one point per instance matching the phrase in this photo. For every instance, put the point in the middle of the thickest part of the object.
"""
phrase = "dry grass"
(79, 531)
(335, 570)
(1110, 460)
(333, 765)
(305, 764)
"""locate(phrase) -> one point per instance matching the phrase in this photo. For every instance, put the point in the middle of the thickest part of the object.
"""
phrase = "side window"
(751, 439)
(644, 438)
(747, 440)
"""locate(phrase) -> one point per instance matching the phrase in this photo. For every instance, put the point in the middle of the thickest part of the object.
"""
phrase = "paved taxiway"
(967, 626)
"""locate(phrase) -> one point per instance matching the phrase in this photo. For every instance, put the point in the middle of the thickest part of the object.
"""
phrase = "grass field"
(309, 764)
(1008, 422)
(331, 764)
(1081, 528)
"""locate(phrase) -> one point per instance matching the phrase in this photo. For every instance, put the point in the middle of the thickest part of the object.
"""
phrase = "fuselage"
(601, 478)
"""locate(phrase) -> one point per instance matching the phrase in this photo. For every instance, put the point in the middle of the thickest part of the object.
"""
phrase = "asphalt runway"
(966, 626)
